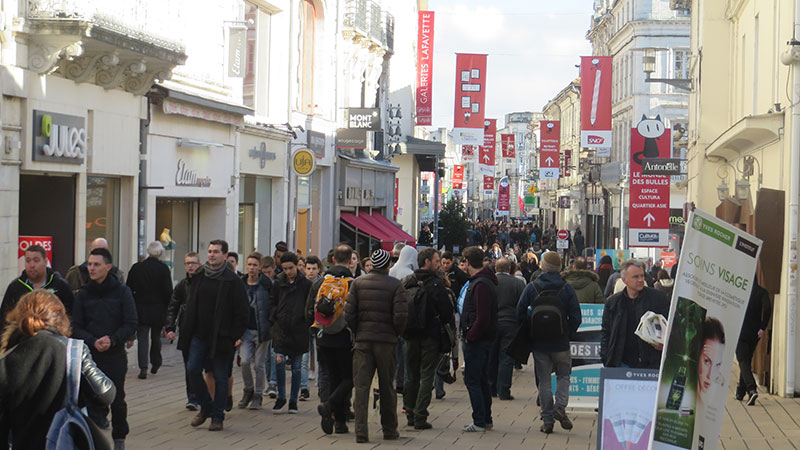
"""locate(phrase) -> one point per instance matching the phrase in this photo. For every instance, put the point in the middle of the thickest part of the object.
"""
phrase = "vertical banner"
(648, 219)
(486, 152)
(503, 197)
(596, 103)
(488, 185)
(468, 152)
(715, 276)
(396, 193)
(549, 154)
(458, 176)
(508, 146)
(237, 39)
(470, 99)
(425, 68)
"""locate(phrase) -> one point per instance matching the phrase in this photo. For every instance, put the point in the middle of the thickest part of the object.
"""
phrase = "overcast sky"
(533, 47)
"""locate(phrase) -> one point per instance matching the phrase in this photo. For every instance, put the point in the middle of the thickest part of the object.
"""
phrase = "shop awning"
(397, 234)
(380, 228)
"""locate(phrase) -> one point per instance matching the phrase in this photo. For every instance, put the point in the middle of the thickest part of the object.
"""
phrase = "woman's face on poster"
(708, 371)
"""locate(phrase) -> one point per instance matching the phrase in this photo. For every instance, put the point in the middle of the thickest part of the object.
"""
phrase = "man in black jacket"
(216, 318)
(756, 320)
(78, 275)
(151, 284)
(501, 366)
(458, 278)
(104, 316)
(423, 335)
(35, 276)
(175, 316)
(619, 346)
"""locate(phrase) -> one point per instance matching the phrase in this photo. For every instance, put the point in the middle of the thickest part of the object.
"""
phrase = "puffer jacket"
(585, 284)
(287, 315)
(33, 385)
(105, 309)
(377, 308)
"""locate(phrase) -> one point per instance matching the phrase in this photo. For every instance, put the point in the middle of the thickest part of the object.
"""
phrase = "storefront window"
(176, 228)
(255, 215)
(102, 211)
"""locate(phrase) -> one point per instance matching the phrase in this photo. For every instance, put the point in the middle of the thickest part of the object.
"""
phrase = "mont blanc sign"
(59, 138)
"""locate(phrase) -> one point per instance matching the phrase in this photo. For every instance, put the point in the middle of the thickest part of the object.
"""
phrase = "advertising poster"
(486, 152)
(488, 185)
(508, 146)
(503, 197)
(625, 418)
(24, 242)
(468, 153)
(550, 152)
(716, 271)
(470, 99)
(596, 103)
(617, 256)
(425, 68)
(584, 381)
(648, 220)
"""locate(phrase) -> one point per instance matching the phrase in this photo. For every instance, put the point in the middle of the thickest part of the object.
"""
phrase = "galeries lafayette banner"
(425, 68)
(470, 99)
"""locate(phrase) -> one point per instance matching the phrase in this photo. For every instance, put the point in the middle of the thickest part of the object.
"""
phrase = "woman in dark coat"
(604, 270)
(33, 368)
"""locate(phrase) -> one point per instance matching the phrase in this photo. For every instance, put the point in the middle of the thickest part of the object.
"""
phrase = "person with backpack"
(33, 371)
(429, 310)
(376, 311)
(551, 308)
(325, 307)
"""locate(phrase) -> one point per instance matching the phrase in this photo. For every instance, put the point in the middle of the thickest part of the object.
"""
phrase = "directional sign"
(549, 153)
(563, 234)
(649, 196)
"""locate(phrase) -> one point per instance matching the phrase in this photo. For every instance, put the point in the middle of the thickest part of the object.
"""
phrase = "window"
(309, 12)
(680, 64)
(256, 76)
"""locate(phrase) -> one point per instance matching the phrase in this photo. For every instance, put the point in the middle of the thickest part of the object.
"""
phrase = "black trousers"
(336, 367)
(744, 354)
(148, 336)
(114, 363)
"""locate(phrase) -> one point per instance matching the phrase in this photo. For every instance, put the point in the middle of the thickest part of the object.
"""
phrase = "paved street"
(159, 421)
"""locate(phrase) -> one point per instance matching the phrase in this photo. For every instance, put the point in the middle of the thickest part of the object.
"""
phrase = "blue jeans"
(295, 363)
(304, 366)
(272, 373)
(199, 350)
(476, 379)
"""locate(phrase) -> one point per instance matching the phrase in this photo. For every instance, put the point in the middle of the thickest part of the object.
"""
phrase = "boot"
(256, 403)
(246, 398)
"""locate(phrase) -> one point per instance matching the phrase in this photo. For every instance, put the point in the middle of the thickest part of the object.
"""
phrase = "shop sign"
(186, 176)
(316, 142)
(347, 138)
(661, 166)
(46, 242)
(363, 119)
(303, 162)
(676, 218)
(237, 37)
(59, 138)
(260, 153)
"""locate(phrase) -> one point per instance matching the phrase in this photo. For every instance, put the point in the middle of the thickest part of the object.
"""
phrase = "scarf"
(212, 273)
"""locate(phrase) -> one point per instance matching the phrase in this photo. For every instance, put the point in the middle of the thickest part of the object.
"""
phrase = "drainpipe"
(144, 127)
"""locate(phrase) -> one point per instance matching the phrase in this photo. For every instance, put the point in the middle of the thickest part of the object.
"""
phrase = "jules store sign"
(59, 138)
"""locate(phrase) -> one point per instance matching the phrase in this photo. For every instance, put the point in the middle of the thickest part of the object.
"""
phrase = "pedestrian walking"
(583, 281)
(35, 276)
(255, 341)
(176, 313)
(376, 311)
(501, 366)
(150, 281)
(78, 275)
(756, 320)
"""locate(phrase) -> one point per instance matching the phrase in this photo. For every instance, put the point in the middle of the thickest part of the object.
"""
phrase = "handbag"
(446, 369)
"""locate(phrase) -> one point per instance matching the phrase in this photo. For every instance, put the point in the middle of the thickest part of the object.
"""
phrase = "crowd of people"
(408, 317)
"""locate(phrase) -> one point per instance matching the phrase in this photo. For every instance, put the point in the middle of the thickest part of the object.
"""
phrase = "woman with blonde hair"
(33, 367)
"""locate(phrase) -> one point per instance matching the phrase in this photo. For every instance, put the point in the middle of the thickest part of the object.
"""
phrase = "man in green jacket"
(584, 281)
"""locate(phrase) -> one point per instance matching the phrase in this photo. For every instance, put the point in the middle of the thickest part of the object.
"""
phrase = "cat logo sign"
(303, 162)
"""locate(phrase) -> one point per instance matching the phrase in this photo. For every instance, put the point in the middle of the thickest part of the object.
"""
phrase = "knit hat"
(380, 259)
(551, 262)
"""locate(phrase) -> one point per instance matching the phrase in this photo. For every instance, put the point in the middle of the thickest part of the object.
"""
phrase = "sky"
(533, 47)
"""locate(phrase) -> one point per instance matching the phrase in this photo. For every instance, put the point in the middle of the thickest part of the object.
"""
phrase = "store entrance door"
(47, 208)
(177, 229)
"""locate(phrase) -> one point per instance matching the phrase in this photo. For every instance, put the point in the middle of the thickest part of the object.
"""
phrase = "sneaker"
(292, 407)
(423, 426)
(256, 403)
(229, 403)
(216, 425)
(341, 428)
(327, 419)
(279, 404)
(546, 428)
(200, 418)
(560, 415)
(304, 395)
(247, 397)
(740, 391)
(472, 428)
(272, 391)
(753, 397)
(192, 406)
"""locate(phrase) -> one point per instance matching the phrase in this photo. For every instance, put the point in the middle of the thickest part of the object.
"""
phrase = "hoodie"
(585, 284)
(479, 316)
(406, 263)
(22, 285)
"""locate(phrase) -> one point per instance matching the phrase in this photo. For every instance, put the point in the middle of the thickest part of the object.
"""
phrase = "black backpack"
(547, 321)
(417, 305)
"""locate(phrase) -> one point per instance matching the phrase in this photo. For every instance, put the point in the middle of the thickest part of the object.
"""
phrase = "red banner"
(470, 99)
(425, 68)
(549, 153)
(396, 192)
(596, 103)
(508, 145)
(486, 152)
(503, 197)
(488, 184)
(467, 152)
(648, 219)
(458, 175)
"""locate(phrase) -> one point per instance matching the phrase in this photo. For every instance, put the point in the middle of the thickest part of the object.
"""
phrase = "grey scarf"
(212, 273)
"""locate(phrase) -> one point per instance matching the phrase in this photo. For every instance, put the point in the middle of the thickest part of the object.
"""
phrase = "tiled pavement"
(158, 420)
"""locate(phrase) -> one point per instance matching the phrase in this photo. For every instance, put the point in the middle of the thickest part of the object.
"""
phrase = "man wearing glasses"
(191, 262)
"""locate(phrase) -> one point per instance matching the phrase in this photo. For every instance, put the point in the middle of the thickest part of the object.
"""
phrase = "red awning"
(360, 223)
(397, 234)
(379, 227)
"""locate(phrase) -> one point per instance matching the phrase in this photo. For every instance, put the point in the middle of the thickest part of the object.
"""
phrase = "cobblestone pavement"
(158, 420)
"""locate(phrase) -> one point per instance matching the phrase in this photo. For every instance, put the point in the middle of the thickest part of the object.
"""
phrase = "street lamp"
(742, 189)
(649, 67)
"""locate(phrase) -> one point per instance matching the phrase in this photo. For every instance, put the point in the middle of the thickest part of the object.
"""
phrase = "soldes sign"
(59, 138)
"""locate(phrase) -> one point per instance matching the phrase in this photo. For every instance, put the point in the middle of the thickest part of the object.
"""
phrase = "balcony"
(356, 22)
(108, 43)
(367, 24)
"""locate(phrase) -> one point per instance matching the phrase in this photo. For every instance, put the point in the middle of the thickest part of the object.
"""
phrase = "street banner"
(23, 242)
(470, 99)
(486, 152)
(458, 174)
(468, 152)
(425, 68)
(648, 219)
(624, 416)
(503, 197)
(596, 103)
(488, 185)
(715, 276)
(549, 154)
(508, 146)
(565, 168)
(396, 193)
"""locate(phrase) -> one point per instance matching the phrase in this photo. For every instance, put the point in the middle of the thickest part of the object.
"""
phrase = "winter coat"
(105, 309)
(287, 315)
(509, 289)
(33, 384)
(757, 314)
(377, 308)
(261, 303)
(585, 284)
(479, 314)
(342, 339)
(458, 278)
(229, 321)
(438, 305)
(615, 327)
(78, 276)
(151, 284)
(666, 287)
(177, 305)
(612, 281)
(20, 286)
(570, 309)
(406, 263)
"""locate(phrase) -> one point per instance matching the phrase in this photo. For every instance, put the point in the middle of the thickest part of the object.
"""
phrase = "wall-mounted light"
(742, 189)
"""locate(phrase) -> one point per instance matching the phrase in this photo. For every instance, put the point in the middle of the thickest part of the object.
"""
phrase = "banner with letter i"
(470, 101)
(596, 103)
(715, 276)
